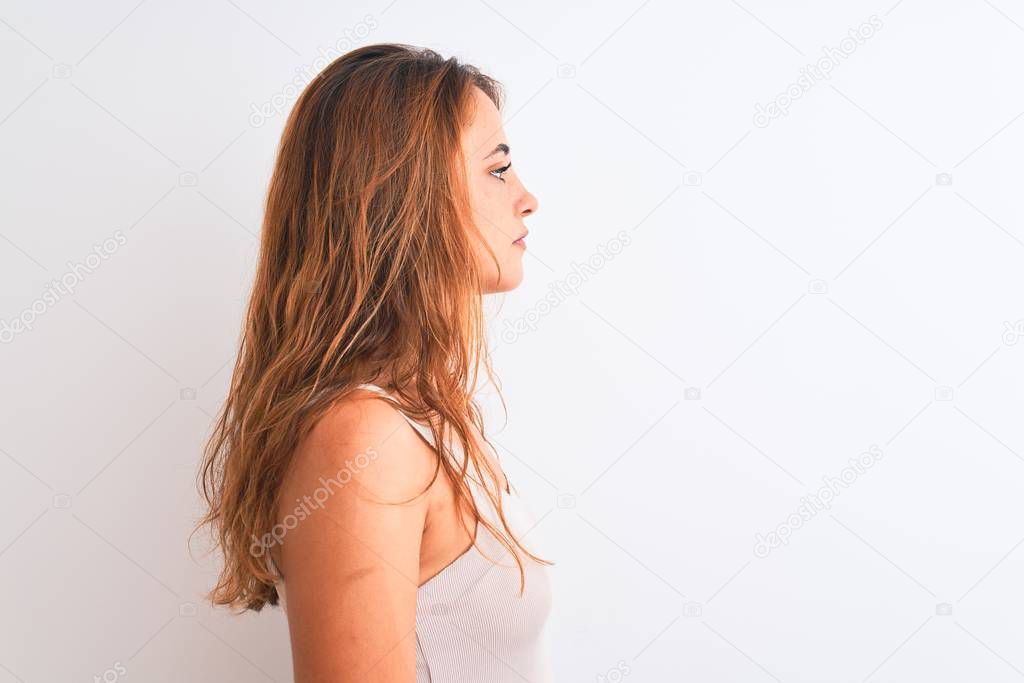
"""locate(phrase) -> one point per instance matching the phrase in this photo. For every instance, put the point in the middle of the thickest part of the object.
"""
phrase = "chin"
(503, 287)
(510, 279)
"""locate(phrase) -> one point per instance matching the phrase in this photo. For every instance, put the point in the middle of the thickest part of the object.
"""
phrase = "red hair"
(367, 269)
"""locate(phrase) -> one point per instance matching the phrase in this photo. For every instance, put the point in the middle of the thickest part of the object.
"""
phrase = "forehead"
(484, 129)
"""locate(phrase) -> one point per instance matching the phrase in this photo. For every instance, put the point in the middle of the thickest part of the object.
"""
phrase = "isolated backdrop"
(764, 374)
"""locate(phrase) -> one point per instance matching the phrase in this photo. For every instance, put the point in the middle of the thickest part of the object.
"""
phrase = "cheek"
(488, 205)
(487, 196)
(488, 221)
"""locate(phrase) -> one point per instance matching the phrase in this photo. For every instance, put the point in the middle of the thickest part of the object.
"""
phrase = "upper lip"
(525, 233)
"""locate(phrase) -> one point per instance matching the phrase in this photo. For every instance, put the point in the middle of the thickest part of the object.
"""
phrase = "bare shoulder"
(351, 554)
(365, 439)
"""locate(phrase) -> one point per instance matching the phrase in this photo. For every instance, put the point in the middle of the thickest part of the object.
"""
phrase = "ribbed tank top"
(472, 625)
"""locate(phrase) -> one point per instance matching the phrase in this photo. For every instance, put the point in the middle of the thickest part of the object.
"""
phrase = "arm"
(351, 566)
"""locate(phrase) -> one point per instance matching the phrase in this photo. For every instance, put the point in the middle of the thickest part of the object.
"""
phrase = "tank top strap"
(419, 427)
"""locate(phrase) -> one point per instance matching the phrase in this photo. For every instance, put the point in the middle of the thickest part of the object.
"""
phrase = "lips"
(519, 240)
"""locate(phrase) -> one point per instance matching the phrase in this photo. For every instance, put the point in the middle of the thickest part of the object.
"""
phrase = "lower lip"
(521, 242)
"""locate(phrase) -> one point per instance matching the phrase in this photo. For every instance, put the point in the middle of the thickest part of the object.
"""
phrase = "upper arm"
(351, 563)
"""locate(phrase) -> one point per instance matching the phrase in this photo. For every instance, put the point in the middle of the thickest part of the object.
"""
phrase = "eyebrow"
(502, 147)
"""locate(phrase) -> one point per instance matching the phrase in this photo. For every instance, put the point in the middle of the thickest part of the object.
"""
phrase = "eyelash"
(503, 169)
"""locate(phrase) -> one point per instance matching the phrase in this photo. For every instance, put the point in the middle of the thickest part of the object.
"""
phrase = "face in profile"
(498, 199)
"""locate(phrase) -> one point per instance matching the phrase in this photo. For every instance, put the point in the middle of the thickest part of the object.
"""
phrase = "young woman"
(348, 478)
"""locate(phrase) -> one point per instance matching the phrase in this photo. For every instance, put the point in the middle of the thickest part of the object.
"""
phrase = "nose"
(528, 204)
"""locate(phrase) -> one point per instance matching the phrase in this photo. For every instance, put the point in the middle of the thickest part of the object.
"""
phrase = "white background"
(791, 295)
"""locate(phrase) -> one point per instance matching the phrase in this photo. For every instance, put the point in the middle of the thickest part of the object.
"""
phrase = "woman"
(349, 478)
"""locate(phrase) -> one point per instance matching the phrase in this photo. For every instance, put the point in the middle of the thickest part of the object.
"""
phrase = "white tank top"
(472, 626)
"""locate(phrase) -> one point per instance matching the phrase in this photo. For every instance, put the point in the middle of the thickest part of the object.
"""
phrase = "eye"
(497, 173)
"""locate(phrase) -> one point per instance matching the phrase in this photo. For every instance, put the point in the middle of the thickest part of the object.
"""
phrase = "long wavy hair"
(367, 269)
